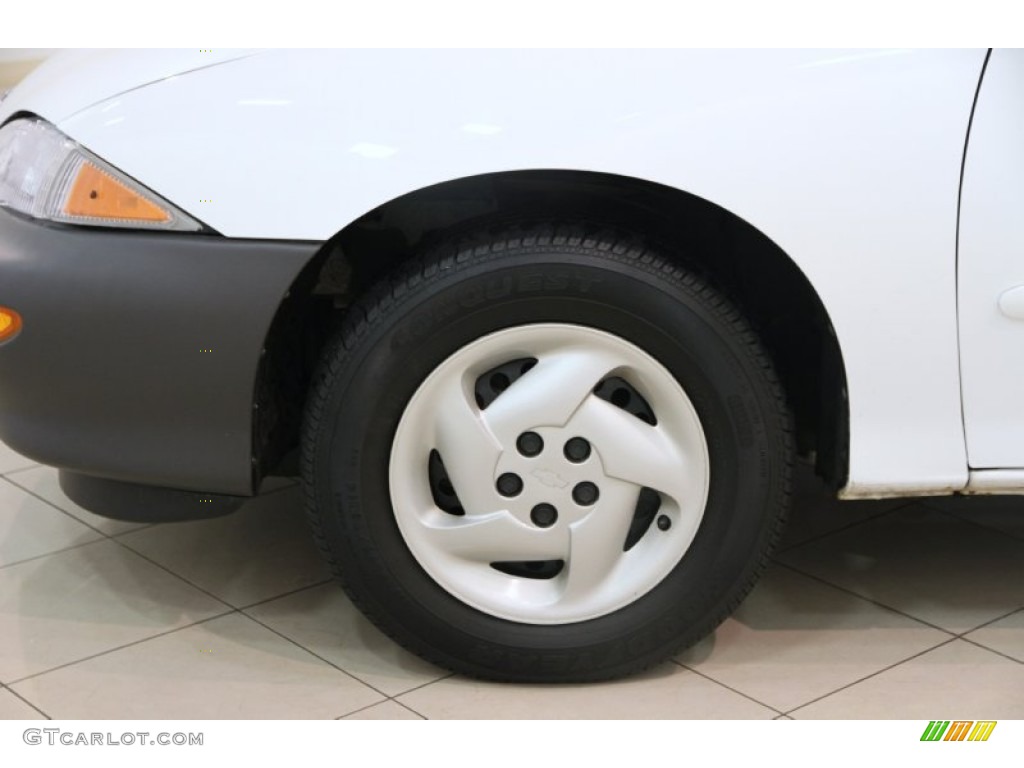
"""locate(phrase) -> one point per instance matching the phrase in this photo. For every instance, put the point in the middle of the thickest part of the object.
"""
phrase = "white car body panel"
(992, 267)
(849, 161)
(74, 80)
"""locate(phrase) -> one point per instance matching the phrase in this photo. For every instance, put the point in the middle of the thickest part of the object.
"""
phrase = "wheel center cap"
(550, 478)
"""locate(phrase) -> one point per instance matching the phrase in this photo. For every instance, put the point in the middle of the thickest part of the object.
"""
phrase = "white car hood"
(71, 81)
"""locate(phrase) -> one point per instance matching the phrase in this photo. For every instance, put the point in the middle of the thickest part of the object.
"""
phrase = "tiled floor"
(871, 610)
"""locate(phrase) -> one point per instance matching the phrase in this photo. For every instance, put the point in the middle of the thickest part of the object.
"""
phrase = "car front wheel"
(546, 455)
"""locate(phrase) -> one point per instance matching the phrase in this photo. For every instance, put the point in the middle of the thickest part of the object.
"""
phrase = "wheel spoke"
(632, 450)
(469, 451)
(596, 542)
(550, 392)
(495, 537)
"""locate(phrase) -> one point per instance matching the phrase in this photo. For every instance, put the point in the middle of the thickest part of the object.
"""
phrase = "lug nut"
(509, 484)
(530, 444)
(664, 523)
(577, 450)
(585, 494)
(544, 515)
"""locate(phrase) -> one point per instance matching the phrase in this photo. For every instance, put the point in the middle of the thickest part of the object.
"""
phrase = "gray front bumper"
(138, 356)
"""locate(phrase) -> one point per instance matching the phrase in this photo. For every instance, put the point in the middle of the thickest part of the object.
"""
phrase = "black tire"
(399, 333)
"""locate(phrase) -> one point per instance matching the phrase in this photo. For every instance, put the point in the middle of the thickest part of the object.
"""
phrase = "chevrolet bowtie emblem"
(549, 478)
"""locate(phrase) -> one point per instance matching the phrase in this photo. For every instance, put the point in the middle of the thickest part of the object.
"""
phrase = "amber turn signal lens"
(99, 195)
(10, 324)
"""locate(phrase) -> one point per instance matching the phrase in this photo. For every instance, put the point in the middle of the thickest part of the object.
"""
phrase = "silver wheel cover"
(555, 399)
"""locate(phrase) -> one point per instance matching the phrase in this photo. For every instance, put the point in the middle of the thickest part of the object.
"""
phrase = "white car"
(543, 333)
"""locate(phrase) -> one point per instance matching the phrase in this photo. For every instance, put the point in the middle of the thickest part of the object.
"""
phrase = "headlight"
(45, 174)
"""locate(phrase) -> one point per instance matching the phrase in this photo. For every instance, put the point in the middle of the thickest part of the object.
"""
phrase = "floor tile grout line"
(848, 526)
(48, 554)
(122, 647)
(848, 591)
(873, 674)
(49, 503)
(362, 709)
(991, 650)
(244, 611)
(138, 527)
(178, 576)
(446, 676)
(991, 621)
(10, 472)
(975, 523)
(205, 591)
(283, 595)
(776, 710)
(29, 703)
(317, 655)
(371, 706)
(406, 706)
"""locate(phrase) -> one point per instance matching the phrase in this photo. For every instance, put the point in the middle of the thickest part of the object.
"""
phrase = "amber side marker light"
(97, 194)
(10, 324)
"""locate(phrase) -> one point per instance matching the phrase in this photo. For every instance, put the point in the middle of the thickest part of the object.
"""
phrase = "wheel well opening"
(755, 273)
